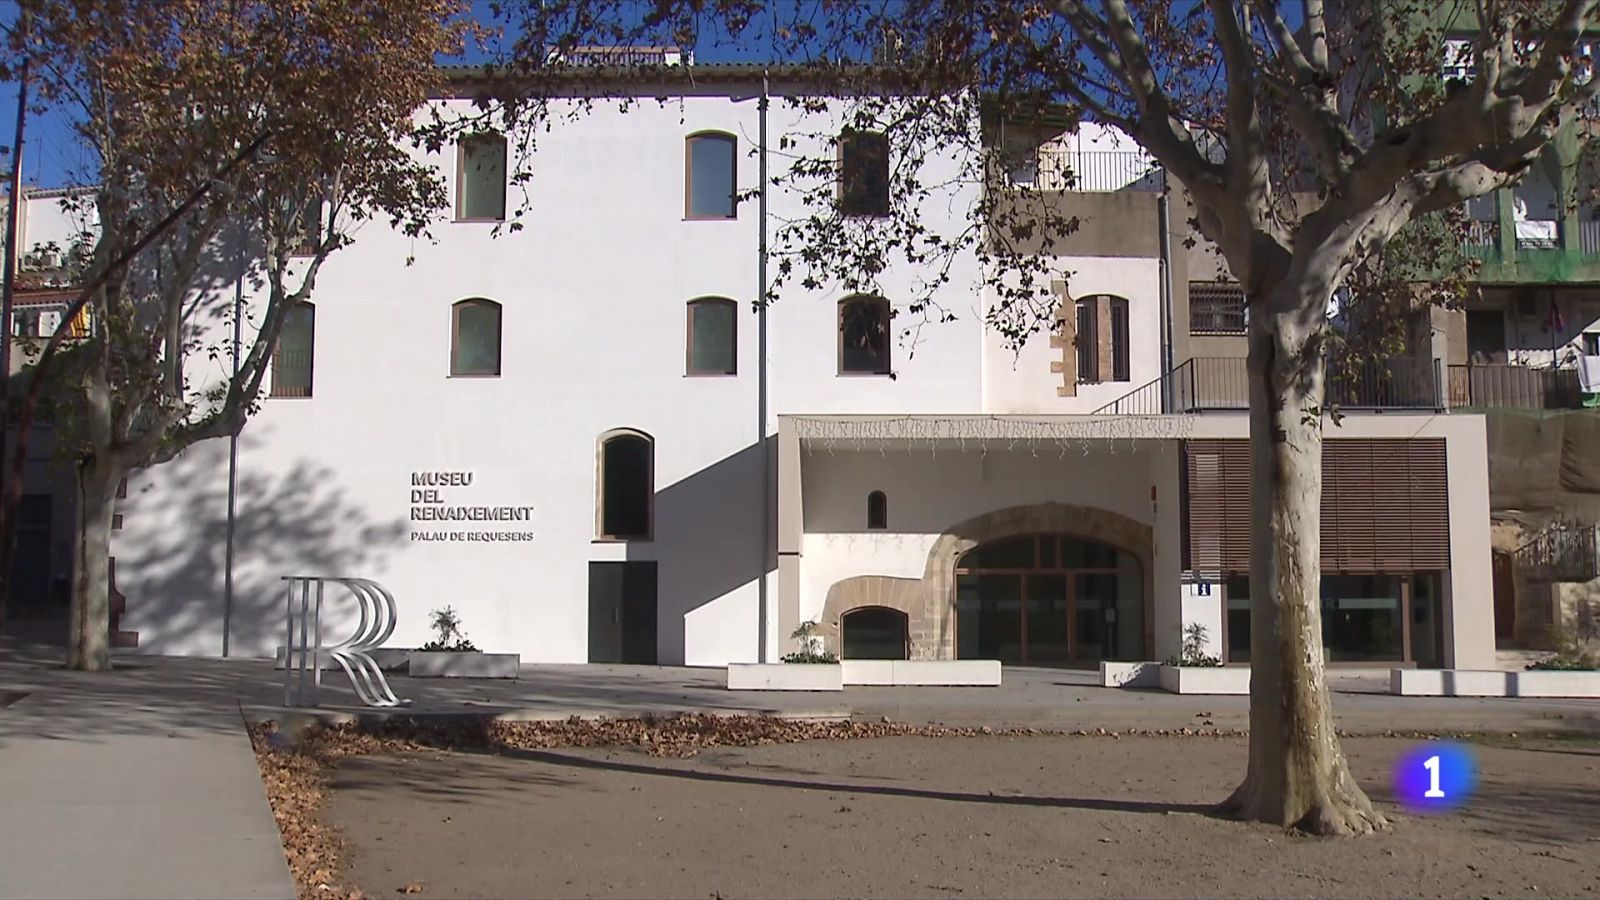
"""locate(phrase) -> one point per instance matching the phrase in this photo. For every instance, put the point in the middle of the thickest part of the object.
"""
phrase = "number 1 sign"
(1435, 777)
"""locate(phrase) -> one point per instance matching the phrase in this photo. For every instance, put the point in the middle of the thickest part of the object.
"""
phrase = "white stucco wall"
(594, 291)
(1021, 381)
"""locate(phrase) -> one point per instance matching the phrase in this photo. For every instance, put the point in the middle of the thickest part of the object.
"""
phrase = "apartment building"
(585, 437)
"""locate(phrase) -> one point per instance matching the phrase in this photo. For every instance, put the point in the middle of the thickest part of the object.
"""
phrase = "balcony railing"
(1481, 237)
(1565, 551)
(1206, 384)
(1513, 387)
(1589, 238)
(1061, 169)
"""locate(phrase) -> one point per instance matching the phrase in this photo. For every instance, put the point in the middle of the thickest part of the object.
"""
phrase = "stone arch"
(929, 602)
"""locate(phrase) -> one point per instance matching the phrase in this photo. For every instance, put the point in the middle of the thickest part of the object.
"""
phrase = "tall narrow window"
(293, 355)
(711, 170)
(713, 336)
(877, 511)
(481, 178)
(475, 338)
(863, 173)
(864, 336)
(1088, 339)
(627, 485)
(1119, 339)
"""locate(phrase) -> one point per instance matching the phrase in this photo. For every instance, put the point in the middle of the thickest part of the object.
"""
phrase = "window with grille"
(1216, 308)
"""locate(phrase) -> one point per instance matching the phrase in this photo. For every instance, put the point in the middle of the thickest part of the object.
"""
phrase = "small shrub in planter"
(1193, 653)
(1571, 655)
(811, 650)
(447, 624)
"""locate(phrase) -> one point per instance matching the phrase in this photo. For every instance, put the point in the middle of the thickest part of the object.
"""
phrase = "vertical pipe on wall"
(1164, 225)
(763, 616)
(233, 465)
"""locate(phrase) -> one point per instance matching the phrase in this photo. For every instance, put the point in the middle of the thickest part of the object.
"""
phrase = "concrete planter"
(868, 671)
(785, 677)
(1205, 680)
(389, 659)
(448, 664)
(941, 672)
(1130, 674)
(1555, 683)
(1450, 683)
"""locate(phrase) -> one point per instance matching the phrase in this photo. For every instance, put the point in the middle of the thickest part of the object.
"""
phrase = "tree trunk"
(89, 641)
(1297, 775)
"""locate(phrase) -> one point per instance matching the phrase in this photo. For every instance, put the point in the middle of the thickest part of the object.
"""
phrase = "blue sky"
(52, 156)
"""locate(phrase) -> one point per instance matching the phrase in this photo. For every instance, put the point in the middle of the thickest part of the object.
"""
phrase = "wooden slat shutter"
(1385, 505)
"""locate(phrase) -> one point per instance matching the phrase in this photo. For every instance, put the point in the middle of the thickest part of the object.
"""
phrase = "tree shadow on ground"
(553, 758)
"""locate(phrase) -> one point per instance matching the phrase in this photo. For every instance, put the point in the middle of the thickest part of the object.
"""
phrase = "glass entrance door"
(1049, 598)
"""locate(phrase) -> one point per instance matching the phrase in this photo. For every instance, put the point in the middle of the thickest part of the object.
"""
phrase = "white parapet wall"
(864, 672)
(1205, 679)
(1450, 683)
(785, 677)
(453, 664)
(1130, 674)
(1555, 683)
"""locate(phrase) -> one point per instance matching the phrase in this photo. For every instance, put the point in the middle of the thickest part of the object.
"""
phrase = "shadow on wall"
(708, 536)
(294, 523)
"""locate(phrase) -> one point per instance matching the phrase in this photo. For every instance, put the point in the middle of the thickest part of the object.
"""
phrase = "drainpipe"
(233, 465)
(1164, 224)
(763, 591)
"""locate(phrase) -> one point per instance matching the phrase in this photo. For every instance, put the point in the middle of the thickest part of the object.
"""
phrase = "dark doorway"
(1505, 598)
(622, 612)
(1486, 335)
(30, 563)
(874, 632)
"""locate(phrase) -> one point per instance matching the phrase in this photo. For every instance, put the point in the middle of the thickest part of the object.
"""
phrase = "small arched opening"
(874, 632)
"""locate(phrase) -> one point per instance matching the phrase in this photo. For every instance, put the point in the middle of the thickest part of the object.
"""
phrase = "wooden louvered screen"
(1384, 505)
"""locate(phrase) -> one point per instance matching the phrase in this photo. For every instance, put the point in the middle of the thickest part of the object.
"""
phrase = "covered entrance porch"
(1052, 541)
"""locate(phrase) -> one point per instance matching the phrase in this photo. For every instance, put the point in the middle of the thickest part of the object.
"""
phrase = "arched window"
(293, 355)
(626, 485)
(877, 511)
(713, 337)
(874, 632)
(863, 335)
(475, 338)
(710, 176)
(481, 178)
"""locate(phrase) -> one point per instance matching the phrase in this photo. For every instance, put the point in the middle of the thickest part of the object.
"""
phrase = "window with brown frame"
(710, 175)
(864, 173)
(713, 337)
(877, 511)
(626, 486)
(308, 229)
(864, 335)
(475, 339)
(1088, 340)
(1119, 338)
(294, 353)
(1216, 308)
(481, 178)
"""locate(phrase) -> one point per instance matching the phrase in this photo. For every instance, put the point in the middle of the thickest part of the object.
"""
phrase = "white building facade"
(575, 436)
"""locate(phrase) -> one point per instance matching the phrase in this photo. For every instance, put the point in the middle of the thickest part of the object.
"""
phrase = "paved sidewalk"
(142, 783)
(129, 785)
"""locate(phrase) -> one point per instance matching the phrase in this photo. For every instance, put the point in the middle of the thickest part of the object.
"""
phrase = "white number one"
(1432, 765)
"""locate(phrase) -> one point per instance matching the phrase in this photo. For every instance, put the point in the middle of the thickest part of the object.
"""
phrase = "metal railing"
(1564, 551)
(1062, 169)
(1481, 236)
(1503, 386)
(1205, 384)
(1589, 238)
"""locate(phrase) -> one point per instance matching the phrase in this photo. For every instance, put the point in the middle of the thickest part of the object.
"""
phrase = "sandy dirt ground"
(944, 817)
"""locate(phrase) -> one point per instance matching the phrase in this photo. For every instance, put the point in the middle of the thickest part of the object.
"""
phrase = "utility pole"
(8, 528)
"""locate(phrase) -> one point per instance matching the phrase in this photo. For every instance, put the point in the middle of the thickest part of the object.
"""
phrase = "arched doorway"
(874, 632)
(1049, 598)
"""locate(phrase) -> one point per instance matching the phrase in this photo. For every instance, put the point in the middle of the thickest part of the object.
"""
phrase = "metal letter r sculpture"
(304, 648)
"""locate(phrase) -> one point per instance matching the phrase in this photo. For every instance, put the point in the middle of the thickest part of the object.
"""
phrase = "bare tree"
(1313, 139)
(229, 139)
